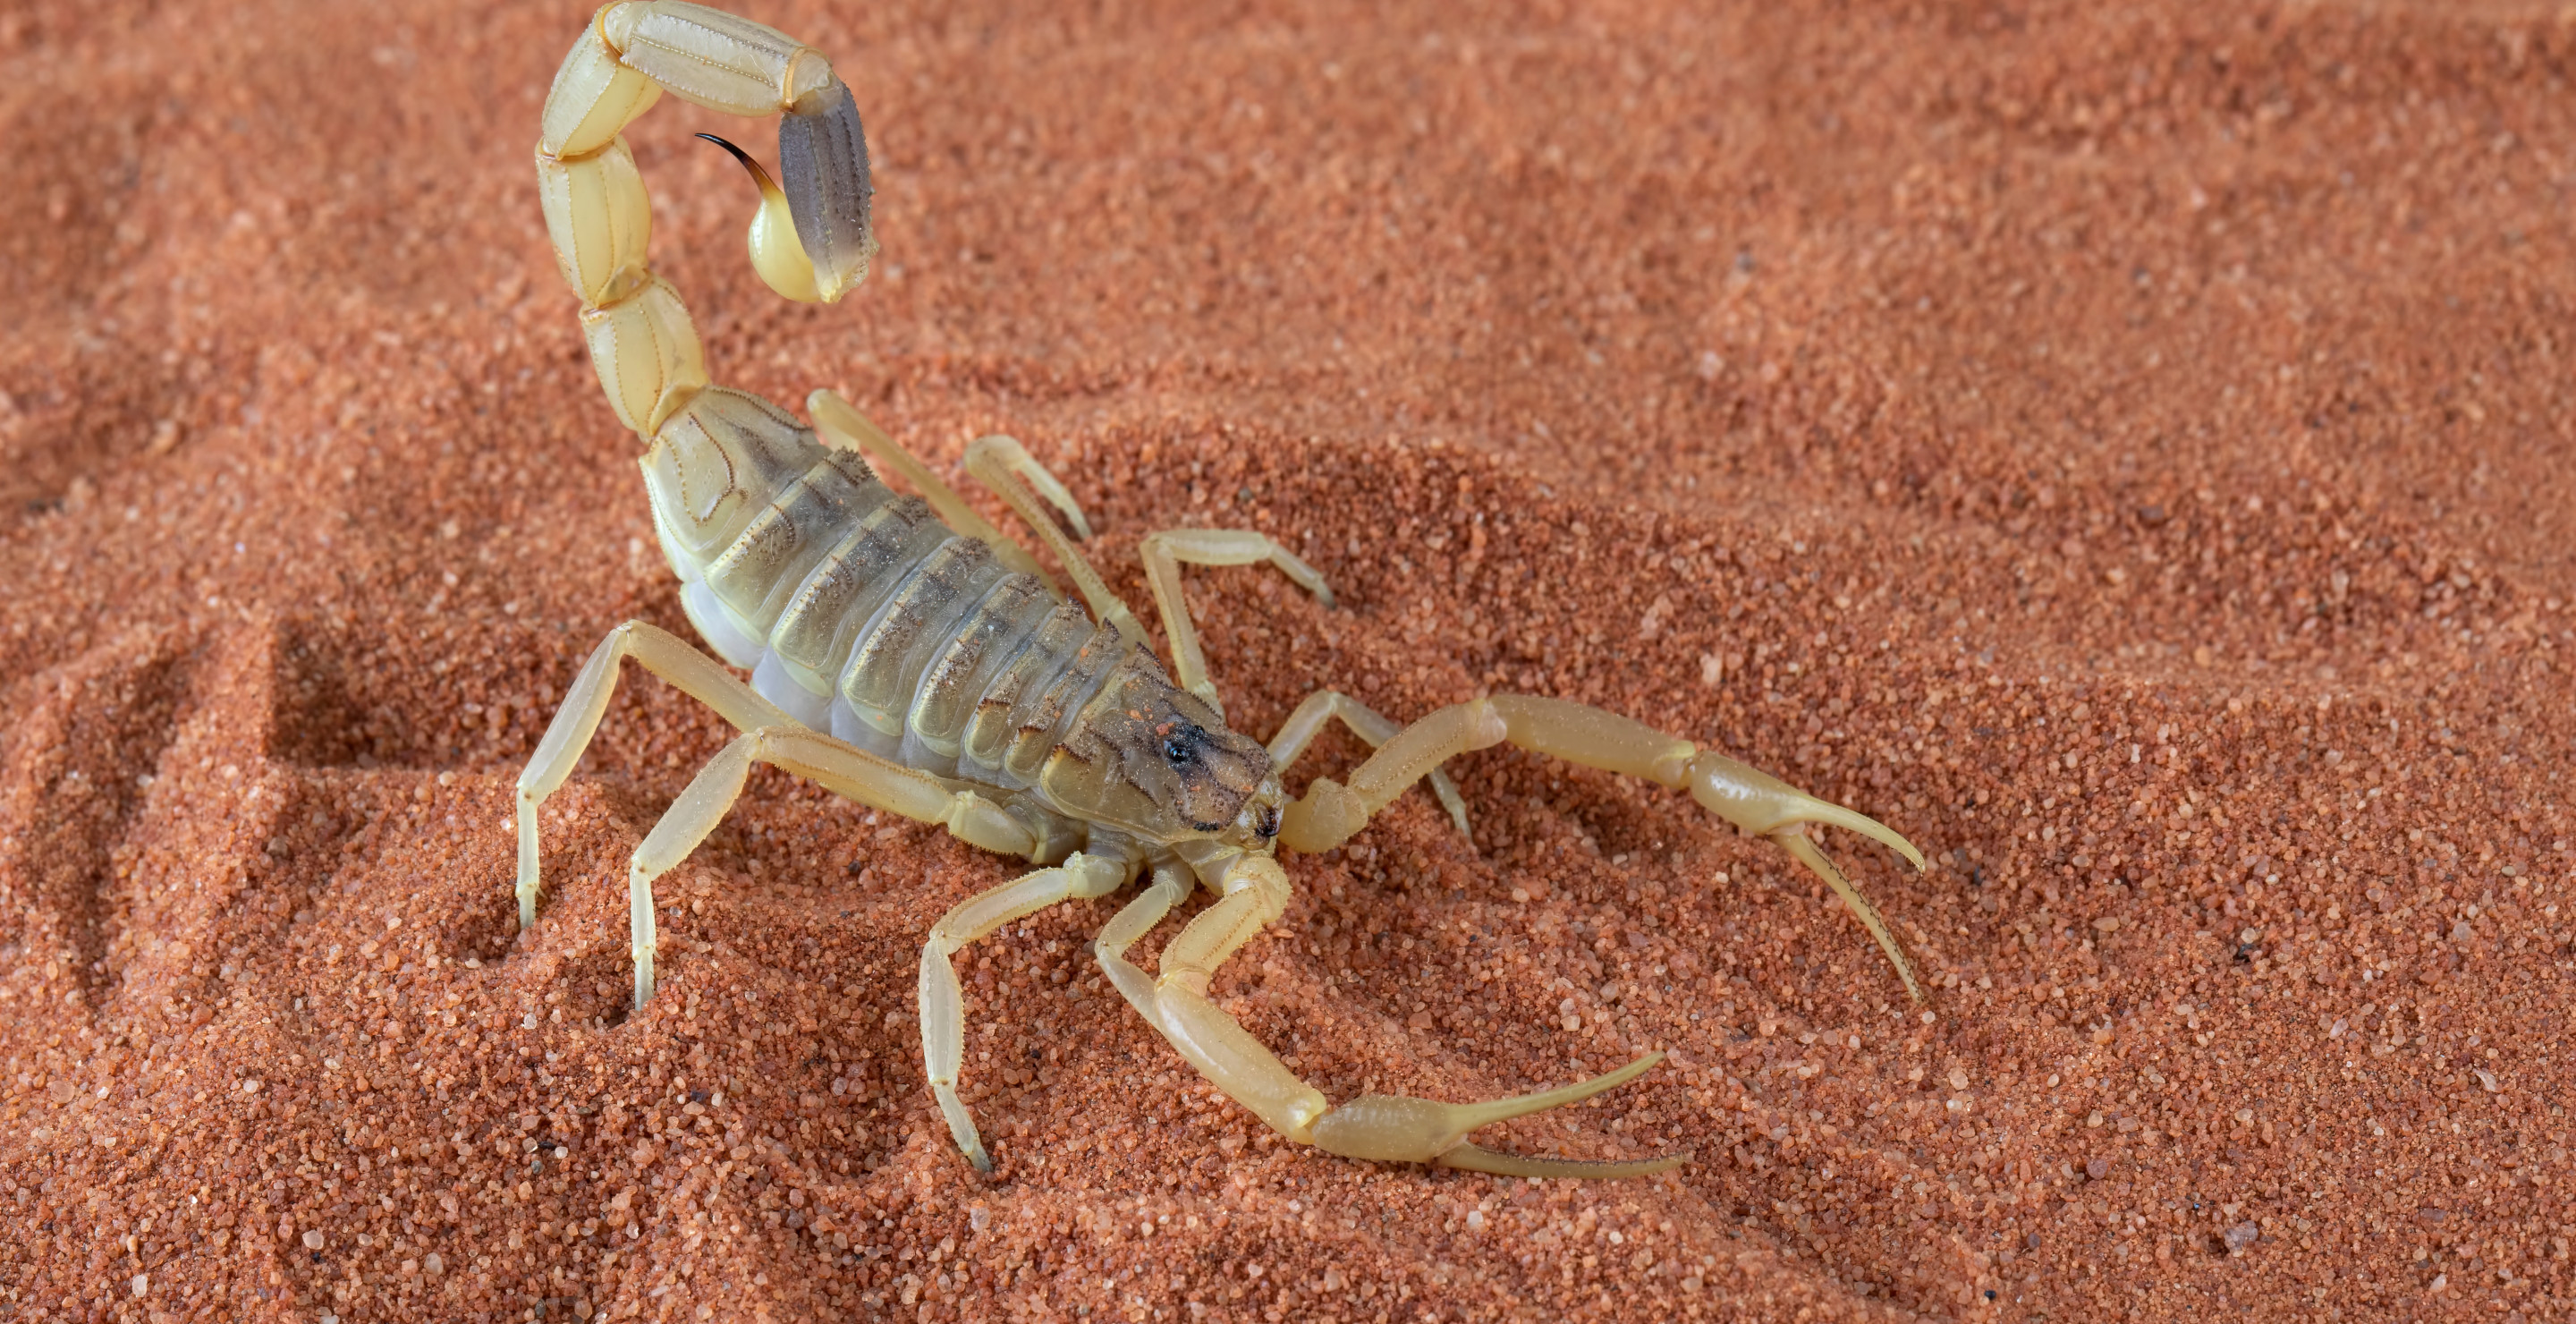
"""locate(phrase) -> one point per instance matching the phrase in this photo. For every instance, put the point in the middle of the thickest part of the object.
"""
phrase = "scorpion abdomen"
(985, 639)
(715, 465)
(768, 565)
(1016, 683)
(835, 600)
(1040, 722)
(856, 610)
(896, 647)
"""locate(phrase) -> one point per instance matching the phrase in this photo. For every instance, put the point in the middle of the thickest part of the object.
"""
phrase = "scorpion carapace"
(905, 654)
(1154, 760)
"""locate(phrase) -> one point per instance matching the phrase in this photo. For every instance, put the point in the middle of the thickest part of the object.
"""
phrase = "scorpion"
(905, 654)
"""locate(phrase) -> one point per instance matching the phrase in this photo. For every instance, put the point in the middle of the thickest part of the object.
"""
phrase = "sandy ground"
(2125, 448)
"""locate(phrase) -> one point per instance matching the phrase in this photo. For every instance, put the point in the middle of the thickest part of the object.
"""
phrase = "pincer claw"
(1759, 803)
(1395, 1128)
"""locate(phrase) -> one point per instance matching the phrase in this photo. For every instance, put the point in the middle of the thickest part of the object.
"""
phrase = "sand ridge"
(2121, 450)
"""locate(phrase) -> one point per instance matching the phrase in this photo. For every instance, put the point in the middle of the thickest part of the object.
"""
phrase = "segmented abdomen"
(855, 608)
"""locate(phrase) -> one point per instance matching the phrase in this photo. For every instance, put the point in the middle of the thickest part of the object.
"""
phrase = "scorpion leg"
(1387, 1128)
(1165, 553)
(844, 426)
(850, 773)
(1171, 887)
(1009, 455)
(771, 737)
(1000, 463)
(943, 1004)
(1754, 801)
(660, 652)
(1366, 723)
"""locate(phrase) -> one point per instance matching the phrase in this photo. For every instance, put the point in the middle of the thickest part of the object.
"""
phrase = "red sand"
(2124, 448)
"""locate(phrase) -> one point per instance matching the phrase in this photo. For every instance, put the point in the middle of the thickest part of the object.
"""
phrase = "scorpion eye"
(1181, 746)
(1268, 822)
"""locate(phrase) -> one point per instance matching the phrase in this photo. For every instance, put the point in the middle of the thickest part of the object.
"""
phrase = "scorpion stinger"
(904, 654)
(776, 253)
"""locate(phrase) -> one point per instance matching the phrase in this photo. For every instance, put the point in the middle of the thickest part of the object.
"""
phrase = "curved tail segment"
(641, 340)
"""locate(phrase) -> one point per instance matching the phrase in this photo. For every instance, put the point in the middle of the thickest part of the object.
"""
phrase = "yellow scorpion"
(905, 654)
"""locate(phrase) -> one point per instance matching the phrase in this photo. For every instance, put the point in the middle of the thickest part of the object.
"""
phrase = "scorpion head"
(1256, 826)
(1151, 758)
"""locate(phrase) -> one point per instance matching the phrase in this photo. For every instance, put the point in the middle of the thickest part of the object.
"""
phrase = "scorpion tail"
(823, 165)
(810, 241)
(776, 253)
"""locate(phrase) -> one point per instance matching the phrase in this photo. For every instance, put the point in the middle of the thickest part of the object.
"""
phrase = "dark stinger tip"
(758, 175)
